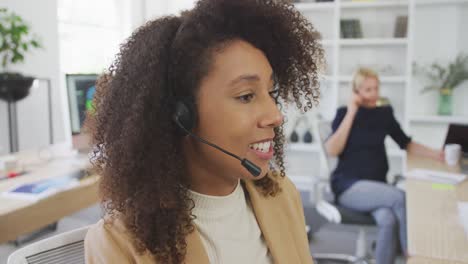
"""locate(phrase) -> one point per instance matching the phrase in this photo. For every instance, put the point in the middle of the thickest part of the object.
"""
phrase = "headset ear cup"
(185, 116)
(191, 117)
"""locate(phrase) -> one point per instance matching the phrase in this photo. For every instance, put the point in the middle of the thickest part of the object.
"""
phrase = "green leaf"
(17, 57)
(23, 29)
(35, 44)
(15, 38)
(5, 60)
(16, 18)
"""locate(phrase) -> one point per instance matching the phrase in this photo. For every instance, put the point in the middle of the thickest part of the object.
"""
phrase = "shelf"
(373, 41)
(312, 6)
(304, 147)
(428, 3)
(383, 79)
(439, 119)
(374, 4)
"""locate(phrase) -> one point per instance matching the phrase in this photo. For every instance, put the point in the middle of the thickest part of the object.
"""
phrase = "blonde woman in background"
(359, 180)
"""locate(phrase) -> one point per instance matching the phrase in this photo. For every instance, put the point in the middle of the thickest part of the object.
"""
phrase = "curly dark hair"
(137, 154)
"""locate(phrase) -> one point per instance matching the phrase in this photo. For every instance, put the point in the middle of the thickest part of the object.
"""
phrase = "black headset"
(185, 118)
(185, 115)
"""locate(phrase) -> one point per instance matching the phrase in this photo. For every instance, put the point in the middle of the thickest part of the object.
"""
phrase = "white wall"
(90, 33)
(439, 37)
(32, 112)
(151, 9)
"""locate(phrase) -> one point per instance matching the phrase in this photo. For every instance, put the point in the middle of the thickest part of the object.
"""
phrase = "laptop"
(458, 134)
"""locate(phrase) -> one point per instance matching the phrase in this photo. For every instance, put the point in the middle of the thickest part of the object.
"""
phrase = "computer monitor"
(81, 89)
(458, 134)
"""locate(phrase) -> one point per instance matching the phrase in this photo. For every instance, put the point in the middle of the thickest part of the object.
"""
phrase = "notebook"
(41, 189)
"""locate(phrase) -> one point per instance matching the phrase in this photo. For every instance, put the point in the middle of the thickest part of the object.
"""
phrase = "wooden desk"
(19, 217)
(434, 230)
(418, 260)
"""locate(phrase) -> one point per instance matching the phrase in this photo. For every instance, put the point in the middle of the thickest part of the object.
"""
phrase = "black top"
(364, 155)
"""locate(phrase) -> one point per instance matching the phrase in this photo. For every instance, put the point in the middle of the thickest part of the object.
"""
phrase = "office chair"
(334, 213)
(66, 248)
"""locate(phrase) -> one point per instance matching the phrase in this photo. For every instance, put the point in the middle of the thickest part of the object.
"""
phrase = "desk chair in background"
(337, 214)
(66, 248)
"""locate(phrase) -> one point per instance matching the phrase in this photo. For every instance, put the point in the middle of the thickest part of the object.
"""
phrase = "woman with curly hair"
(221, 72)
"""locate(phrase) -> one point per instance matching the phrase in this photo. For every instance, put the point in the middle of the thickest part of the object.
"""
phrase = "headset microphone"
(182, 117)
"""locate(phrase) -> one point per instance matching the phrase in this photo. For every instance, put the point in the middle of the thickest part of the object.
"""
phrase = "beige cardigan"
(281, 219)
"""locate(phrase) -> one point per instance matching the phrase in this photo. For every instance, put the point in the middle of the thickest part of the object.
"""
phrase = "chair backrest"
(324, 131)
(65, 248)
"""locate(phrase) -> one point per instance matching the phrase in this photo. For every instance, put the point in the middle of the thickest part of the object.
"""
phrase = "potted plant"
(15, 41)
(445, 80)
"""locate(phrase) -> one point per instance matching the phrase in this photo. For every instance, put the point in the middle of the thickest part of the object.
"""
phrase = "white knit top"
(228, 229)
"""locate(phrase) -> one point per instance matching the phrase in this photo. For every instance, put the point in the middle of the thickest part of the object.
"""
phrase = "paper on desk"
(435, 176)
(463, 216)
(38, 190)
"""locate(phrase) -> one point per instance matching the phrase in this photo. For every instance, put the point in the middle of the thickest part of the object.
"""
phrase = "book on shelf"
(351, 28)
(401, 27)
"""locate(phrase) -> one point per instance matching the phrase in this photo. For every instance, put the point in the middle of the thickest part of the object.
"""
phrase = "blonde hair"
(361, 74)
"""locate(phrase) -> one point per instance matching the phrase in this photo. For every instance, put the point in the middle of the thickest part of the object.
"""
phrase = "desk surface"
(19, 217)
(418, 260)
(434, 230)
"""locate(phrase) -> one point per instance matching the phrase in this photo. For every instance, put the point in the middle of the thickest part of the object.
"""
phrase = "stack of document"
(41, 189)
(463, 215)
(436, 176)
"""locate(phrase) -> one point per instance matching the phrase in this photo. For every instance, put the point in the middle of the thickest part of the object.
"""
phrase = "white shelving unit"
(304, 7)
(383, 79)
(379, 50)
(372, 42)
(315, 148)
(439, 119)
(421, 3)
(304, 147)
(374, 4)
(327, 42)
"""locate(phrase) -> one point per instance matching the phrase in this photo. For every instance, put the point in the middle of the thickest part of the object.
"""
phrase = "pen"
(12, 174)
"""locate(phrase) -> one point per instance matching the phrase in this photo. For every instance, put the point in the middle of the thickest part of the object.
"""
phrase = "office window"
(90, 32)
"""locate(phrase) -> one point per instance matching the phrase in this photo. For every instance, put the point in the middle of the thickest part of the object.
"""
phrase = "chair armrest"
(332, 256)
(329, 212)
(320, 187)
